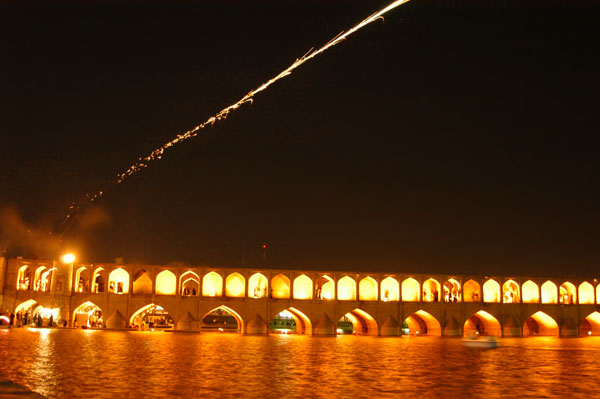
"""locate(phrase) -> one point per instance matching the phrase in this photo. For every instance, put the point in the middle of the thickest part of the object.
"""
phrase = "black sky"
(452, 137)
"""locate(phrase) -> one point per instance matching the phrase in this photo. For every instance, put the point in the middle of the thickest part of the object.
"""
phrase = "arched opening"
(346, 289)
(82, 280)
(118, 281)
(290, 321)
(586, 293)
(31, 313)
(142, 283)
(590, 326)
(257, 286)
(510, 292)
(452, 291)
(367, 289)
(568, 294)
(98, 280)
(410, 290)
(212, 285)
(390, 289)
(88, 315)
(280, 287)
(324, 288)
(43, 278)
(549, 292)
(540, 324)
(222, 319)
(235, 286)
(24, 278)
(421, 323)
(166, 283)
(472, 291)
(431, 290)
(482, 323)
(189, 284)
(598, 294)
(24, 312)
(303, 287)
(151, 318)
(491, 291)
(357, 322)
(531, 292)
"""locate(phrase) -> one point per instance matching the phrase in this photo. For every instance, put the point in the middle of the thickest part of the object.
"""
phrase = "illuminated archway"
(222, 319)
(472, 291)
(98, 280)
(43, 278)
(422, 323)
(586, 293)
(531, 292)
(118, 281)
(189, 284)
(212, 285)
(491, 291)
(280, 287)
(257, 286)
(82, 279)
(431, 290)
(291, 321)
(549, 292)
(390, 289)
(540, 324)
(482, 323)
(303, 287)
(30, 312)
(452, 291)
(510, 292)
(410, 290)
(590, 326)
(367, 289)
(151, 318)
(568, 294)
(235, 286)
(325, 288)
(598, 294)
(142, 283)
(166, 283)
(357, 322)
(87, 315)
(25, 306)
(24, 278)
(346, 289)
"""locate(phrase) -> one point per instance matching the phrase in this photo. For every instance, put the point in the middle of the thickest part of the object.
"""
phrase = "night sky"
(454, 137)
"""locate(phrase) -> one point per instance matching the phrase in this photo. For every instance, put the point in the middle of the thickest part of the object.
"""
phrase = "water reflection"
(84, 363)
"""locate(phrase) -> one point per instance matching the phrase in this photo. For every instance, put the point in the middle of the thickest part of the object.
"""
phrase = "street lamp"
(67, 258)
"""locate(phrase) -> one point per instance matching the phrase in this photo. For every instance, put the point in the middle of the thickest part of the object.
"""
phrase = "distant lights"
(68, 258)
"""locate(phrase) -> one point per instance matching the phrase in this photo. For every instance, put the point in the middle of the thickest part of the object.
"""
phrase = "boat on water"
(480, 342)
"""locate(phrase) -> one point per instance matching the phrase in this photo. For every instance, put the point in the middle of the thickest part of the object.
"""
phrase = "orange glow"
(88, 314)
(410, 290)
(540, 324)
(431, 291)
(598, 294)
(390, 289)
(212, 285)
(491, 291)
(280, 287)
(302, 287)
(24, 278)
(142, 283)
(593, 325)
(235, 286)
(118, 281)
(303, 323)
(482, 323)
(367, 289)
(549, 292)
(25, 305)
(423, 323)
(472, 291)
(452, 291)
(189, 284)
(346, 289)
(510, 292)
(43, 278)
(586, 293)
(238, 318)
(325, 288)
(67, 258)
(362, 322)
(257, 286)
(531, 293)
(82, 280)
(568, 294)
(166, 283)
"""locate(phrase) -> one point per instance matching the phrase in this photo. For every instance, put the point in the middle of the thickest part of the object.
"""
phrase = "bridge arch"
(220, 319)
(151, 317)
(586, 293)
(410, 290)
(482, 323)
(362, 322)
(590, 326)
(491, 291)
(189, 284)
(511, 292)
(452, 291)
(118, 281)
(43, 278)
(302, 324)
(423, 323)
(166, 283)
(257, 286)
(346, 289)
(540, 324)
(549, 292)
(431, 290)
(598, 294)
(303, 287)
(212, 285)
(88, 314)
(98, 280)
(531, 292)
(82, 279)
(325, 288)
(235, 285)
(367, 289)
(24, 278)
(568, 294)
(472, 291)
(280, 287)
(390, 289)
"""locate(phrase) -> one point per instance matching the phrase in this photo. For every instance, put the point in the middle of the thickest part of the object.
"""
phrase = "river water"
(107, 364)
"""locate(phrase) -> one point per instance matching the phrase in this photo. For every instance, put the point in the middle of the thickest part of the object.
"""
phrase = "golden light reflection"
(410, 290)
(212, 285)
(367, 289)
(346, 289)
(303, 287)
(166, 283)
(235, 285)
(531, 293)
(549, 292)
(390, 289)
(491, 291)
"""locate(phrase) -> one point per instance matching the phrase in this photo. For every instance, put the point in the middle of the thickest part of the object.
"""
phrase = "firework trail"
(157, 154)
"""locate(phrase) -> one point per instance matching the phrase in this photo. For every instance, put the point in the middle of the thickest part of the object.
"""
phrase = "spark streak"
(157, 154)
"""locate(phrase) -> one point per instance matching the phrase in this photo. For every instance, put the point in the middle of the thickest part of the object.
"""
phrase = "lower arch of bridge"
(482, 323)
(87, 315)
(291, 321)
(32, 313)
(151, 317)
(362, 323)
(422, 323)
(590, 326)
(540, 324)
(222, 319)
